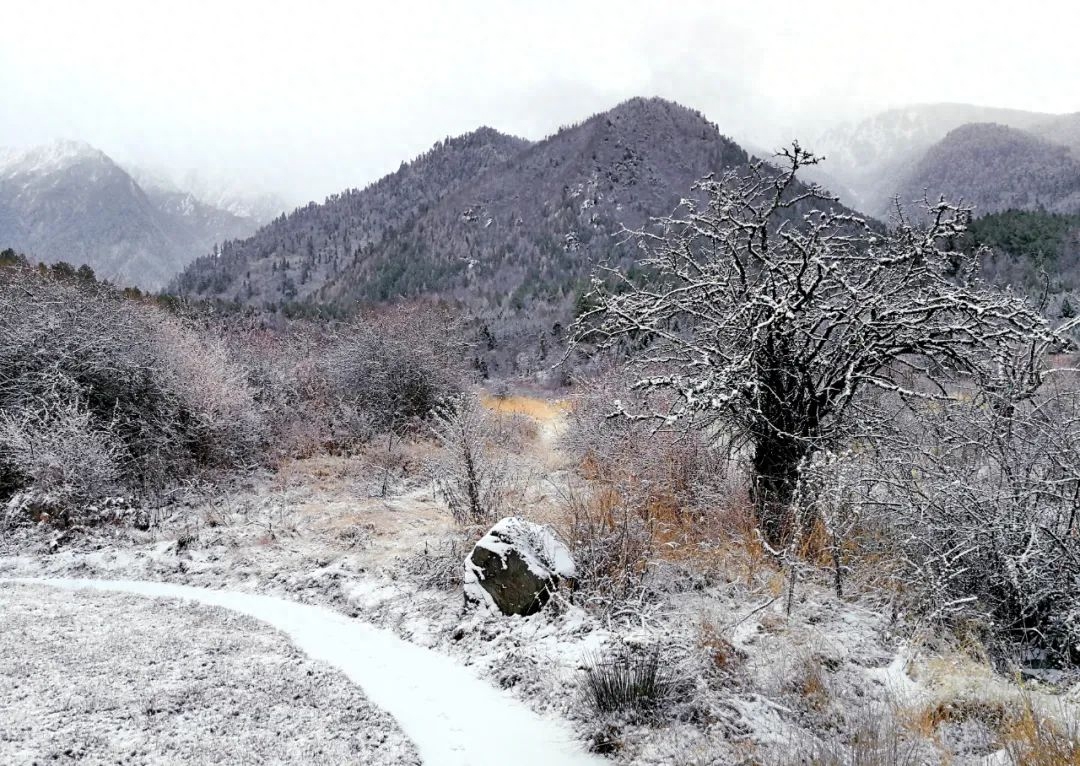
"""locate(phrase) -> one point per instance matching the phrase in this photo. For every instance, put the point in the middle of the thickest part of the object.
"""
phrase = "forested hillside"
(994, 168)
(1032, 251)
(298, 253)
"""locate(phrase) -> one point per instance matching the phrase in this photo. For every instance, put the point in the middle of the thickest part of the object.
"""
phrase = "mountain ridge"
(994, 168)
(69, 201)
(481, 202)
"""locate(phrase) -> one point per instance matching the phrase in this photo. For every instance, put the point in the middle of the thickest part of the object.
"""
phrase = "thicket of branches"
(886, 401)
(104, 393)
(101, 394)
(332, 387)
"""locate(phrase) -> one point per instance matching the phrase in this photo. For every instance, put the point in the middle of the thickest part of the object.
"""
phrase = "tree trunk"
(776, 474)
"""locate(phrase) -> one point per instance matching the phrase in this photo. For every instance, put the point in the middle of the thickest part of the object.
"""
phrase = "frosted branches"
(771, 310)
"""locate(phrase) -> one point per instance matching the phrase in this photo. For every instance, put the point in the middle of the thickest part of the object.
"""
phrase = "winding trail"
(454, 718)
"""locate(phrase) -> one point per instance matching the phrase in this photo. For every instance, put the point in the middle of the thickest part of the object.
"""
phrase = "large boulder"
(516, 567)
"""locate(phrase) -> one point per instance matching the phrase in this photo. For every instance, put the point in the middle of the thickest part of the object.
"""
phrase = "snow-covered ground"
(96, 677)
(453, 718)
(756, 685)
(317, 533)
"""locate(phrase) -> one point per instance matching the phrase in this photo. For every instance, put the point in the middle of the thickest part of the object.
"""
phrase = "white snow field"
(452, 717)
(93, 677)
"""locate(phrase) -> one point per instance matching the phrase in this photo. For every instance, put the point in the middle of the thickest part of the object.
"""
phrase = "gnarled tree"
(770, 311)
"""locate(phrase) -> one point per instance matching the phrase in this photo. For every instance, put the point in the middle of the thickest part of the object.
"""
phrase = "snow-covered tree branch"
(770, 310)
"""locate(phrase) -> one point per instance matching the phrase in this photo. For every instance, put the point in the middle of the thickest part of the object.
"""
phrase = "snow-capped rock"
(516, 567)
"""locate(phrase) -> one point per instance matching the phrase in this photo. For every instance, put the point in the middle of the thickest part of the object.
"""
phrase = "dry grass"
(1031, 738)
(1022, 729)
(876, 739)
(708, 529)
(542, 410)
(722, 654)
(809, 683)
(927, 721)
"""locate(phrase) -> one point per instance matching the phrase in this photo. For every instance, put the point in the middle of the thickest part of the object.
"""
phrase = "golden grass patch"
(543, 410)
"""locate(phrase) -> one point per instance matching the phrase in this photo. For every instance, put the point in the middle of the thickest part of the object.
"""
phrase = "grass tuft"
(629, 684)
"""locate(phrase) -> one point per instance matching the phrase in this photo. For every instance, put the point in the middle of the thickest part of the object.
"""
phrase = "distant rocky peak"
(50, 158)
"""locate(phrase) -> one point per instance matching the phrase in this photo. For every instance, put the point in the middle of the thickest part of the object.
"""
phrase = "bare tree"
(476, 477)
(771, 317)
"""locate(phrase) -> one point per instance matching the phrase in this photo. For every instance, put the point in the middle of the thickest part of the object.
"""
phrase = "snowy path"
(452, 717)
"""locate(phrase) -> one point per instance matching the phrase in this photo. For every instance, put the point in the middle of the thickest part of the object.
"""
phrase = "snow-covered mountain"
(227, 194)
(871, 157)
(68, 201)
(215, 189)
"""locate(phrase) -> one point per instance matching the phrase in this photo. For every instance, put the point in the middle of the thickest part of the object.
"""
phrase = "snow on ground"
(97, 677)
(453, 718)
(329, 543)
(319, 532)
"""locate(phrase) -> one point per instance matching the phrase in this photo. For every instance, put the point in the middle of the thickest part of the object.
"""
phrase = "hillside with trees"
(299, 252)
(994, 168)
(509, 230)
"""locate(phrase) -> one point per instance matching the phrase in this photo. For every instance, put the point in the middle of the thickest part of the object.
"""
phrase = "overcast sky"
(308, 98)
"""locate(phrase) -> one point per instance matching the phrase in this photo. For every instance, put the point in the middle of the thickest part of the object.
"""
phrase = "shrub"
(61, 452)
(978, 499)
(116, 392)
(398, 368)
(612, 545)
(476, 477)
(629, 685)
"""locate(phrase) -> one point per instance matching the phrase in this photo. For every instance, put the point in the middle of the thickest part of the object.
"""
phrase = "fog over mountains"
(995, 168)
(492, 219)
(883, 156)
(68, 201)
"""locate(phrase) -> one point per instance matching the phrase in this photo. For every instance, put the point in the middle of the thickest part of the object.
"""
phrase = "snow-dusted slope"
(113, 678)
(452, 717)
(871, 155)
(215, 189)
(68, 201)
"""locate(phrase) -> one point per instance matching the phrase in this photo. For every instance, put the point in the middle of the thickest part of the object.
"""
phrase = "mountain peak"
(487, 134)
(50, 158)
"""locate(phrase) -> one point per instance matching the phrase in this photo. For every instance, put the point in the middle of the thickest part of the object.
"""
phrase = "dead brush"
(612, 545)
(1031, 738)
(438, 565)
(876, 738)
(810, 685)
(722, 655)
